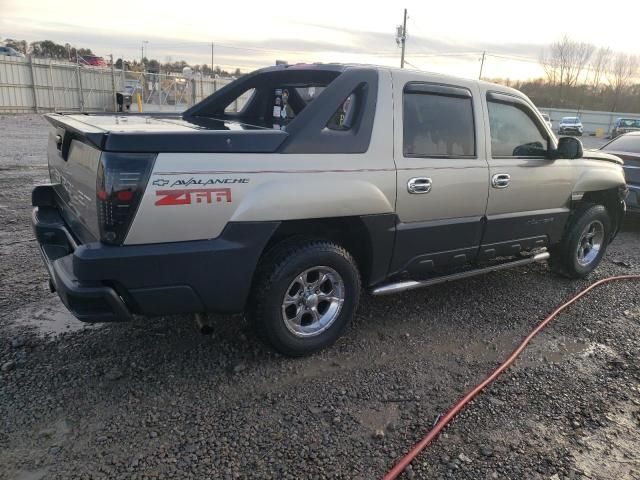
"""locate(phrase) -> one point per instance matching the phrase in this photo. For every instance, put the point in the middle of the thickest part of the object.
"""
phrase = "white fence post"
(53, 88)
(33, 84)
(80, 93)
(113, 87)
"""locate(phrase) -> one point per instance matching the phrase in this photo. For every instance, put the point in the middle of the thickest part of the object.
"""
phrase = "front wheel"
(305, 296)
(584, 243)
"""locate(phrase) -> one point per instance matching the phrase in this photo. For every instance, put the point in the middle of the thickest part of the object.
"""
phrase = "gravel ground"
(155, 399)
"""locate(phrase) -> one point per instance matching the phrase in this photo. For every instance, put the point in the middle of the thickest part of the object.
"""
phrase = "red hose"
(422, 444)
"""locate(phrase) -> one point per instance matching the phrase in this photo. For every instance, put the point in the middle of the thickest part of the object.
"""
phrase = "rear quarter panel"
(194, 196)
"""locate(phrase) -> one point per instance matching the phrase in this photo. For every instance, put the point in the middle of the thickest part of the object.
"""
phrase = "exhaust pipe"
(203, 324)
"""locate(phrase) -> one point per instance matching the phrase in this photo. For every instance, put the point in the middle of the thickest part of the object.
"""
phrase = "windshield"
(625, 143)
(571, 120)
(629, 123)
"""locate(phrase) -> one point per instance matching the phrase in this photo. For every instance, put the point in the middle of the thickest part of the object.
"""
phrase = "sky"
(447, 37)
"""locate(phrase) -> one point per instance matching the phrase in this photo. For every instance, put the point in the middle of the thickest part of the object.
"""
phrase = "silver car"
(570, 126)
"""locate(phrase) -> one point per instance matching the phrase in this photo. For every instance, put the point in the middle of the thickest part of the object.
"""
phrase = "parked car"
(570, 126)
(396, 180)
(10, 52)
(547, 120)
(92, 60)
(624, 125)
(627, 147)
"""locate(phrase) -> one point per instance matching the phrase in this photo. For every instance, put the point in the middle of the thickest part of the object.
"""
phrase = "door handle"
(419, 185)
(500, 180)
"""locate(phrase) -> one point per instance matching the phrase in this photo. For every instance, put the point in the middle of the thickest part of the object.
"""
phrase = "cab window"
(438, 125)
(514, 133)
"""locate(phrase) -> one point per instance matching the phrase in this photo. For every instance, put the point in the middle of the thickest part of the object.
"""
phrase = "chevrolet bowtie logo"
(161, 182)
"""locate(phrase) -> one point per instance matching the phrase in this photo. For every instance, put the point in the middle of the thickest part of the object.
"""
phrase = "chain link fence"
(36, 85)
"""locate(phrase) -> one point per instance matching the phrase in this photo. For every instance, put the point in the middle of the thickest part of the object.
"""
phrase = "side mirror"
(569, 148)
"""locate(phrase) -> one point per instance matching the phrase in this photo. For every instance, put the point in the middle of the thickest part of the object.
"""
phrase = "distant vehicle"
(627, 147)
(547, 120)
(570, 126)
(92, 61)
(10, 52)
(133, 86)
(624, 125)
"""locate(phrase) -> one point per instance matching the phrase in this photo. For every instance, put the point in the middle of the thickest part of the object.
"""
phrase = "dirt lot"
(155, 399)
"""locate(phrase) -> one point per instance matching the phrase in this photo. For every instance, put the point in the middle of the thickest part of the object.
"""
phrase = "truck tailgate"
(73, 166)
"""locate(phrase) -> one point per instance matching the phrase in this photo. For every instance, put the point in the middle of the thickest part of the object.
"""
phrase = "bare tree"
(550, 65)
(623, 69)
(564, 61)
(600, 65)
(577, 57)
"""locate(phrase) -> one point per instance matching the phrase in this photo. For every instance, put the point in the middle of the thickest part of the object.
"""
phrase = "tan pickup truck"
(331, 179)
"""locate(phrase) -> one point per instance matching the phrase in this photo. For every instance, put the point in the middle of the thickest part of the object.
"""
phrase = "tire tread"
(271, 265)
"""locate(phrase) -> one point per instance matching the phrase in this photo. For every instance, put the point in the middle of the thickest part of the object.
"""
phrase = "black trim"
(423, 246)
(517, 227)
(269, 78)
(43, 196)
(308, 132)
(511, 248)
(437, 89)
(197, 141)
(382, 233)
(101, 283)
(501, 97)
(74, 132)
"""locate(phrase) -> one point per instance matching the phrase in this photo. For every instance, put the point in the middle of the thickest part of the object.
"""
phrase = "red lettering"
(183, 197)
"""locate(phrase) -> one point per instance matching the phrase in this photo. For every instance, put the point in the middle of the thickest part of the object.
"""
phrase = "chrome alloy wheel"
(590, 243)
(313, 301)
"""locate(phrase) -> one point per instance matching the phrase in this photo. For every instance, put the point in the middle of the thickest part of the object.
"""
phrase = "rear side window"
(514, 133)
(239, 103)
(437, 125)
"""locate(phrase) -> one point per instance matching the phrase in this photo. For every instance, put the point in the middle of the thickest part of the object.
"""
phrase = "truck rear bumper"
(101, 283)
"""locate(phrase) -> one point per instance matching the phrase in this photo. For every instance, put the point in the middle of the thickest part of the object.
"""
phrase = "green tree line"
(57, 51)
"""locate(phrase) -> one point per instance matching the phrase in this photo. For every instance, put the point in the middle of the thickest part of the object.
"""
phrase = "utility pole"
(142, 57)
(481, 65)
(403, 38)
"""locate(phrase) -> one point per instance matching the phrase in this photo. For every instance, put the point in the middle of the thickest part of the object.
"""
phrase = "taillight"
(122, 178)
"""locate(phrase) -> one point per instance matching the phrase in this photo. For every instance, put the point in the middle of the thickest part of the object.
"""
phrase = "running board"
(390, 288)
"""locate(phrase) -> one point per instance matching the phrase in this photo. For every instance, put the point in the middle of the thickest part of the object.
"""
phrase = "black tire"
(566, 257)
(286, 264)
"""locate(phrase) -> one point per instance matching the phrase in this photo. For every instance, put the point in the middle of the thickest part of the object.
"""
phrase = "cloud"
(323, 43)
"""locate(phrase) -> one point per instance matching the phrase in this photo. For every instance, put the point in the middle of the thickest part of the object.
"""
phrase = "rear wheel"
(584, 243)
(305, 296)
